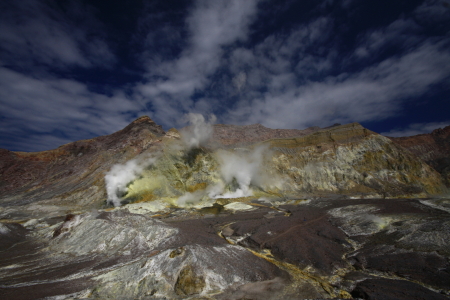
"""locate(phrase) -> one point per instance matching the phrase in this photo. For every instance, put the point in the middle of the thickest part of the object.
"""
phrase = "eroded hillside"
(148, 214)
(142, 163)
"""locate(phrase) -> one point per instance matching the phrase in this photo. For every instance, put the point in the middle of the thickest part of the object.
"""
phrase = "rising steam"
(192, 199)
(239, 170)
(199, 130)
(245, 167)
(121, 175)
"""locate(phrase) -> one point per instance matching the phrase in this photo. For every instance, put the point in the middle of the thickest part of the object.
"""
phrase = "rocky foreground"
(327, 248)
(253, 213)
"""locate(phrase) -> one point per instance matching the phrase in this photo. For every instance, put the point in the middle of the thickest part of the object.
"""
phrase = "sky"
(77, 69)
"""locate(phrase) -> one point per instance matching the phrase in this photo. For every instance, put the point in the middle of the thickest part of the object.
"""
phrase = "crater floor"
(310, 249)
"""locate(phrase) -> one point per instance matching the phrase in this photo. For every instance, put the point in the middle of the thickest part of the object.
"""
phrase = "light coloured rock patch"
(181, 273)
(146, 207)
(442, 204)
(115, 232)
(4, 229)
(361, 219)
(239, 206)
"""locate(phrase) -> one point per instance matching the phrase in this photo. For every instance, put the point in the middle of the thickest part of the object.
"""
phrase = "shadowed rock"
(385, 289)
(433, 148)
(297, 235)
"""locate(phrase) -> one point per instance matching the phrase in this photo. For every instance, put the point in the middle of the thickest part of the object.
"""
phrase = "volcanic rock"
(433, 148)
(350, 159)
(384, 289)
(72, 175)
(255, 214)
(345, 159)
(235, 135)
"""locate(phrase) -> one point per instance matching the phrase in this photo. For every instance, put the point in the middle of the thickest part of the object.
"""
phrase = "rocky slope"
(340, 160)
(316, 249)
(253, 214)
(247, 134)
(71, 176)
(350, 159)
(433, 148)
(345, 160)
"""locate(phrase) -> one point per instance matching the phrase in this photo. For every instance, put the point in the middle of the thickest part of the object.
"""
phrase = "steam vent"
(228, 212)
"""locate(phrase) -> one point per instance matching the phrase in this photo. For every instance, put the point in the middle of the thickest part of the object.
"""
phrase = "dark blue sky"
(76, 69)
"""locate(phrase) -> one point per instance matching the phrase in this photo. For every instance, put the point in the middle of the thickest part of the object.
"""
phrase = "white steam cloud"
(244, 167)
(239, 169)
(199, 130)
(200, 197)
(190, 199)
(120, 175)
(239, 81)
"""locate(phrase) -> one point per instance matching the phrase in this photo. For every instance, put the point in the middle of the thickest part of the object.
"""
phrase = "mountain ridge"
(315, 216)
(433, 148)
(319, 160)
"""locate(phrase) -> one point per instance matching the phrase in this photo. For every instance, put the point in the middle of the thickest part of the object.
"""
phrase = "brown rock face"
(351, 159)
(189, 283)
(433, 148)
(247, 134)
(74, 167)
(303, 235)
(344, 160)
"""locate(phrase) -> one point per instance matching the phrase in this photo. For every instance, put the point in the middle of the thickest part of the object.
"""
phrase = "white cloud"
(374, 93)
(212, 25)
(405, 33)
(34, 32)
(433, 12)
(293, 81)
(290, 79)
(415, 129)
(45, 105)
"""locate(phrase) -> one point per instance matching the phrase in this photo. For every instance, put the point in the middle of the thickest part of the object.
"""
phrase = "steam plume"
(120, 175)
(244, 167)
(240, 80)
(199, 130)
(192, 199)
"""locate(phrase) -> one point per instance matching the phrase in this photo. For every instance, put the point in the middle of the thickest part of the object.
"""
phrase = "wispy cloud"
(212, 25)
(285, 97)
(36, 32)
(37, 107)
(415, 129)
(223, 57)
(433, 12)
(402, 33)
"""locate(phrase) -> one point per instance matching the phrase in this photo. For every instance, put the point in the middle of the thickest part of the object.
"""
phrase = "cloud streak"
(63, 76)
(212, 25)
(415, 129)
(54, 104)
(42, 34)
(375, 93)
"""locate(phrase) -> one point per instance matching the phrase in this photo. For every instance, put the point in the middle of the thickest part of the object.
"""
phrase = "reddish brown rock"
(385, 289)
(30, 176)
(433, 148)
(305, 238)
(247, 134)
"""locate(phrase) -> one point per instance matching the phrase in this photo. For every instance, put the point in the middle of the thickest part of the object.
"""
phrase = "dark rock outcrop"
(72, 171)
(385, 289)
(342, 159)
(235, 135)
(299, 234)
(433, 148)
